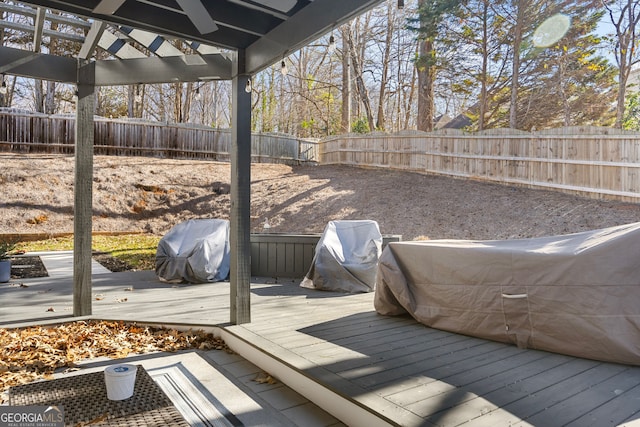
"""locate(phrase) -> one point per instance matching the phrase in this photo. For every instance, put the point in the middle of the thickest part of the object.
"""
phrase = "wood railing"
(289, 255)
(589, 161)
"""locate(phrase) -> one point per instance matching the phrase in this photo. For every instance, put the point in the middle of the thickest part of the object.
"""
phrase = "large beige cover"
(577, 294)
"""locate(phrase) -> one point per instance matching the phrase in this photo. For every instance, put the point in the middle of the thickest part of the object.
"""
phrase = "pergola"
(253, 35)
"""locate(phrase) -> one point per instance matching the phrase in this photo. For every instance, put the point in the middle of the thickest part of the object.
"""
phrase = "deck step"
(351, 404)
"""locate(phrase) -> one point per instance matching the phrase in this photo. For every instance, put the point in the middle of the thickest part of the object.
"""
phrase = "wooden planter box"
(288, 255)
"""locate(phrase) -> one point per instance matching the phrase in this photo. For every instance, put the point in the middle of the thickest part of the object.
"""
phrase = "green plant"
(361, 125)
(6, 248)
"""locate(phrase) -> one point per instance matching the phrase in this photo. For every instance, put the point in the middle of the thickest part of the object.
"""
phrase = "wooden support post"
(83, 189)
(240, 241)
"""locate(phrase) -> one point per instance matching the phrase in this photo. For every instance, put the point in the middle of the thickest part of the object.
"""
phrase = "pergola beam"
(184, 68)
(305, 26)
(108, 7)
(37, 65)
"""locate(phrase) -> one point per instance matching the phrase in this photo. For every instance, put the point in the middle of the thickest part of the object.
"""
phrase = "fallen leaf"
(121, 299)
(51, 309)
(36, 352)
(264, 378)
(97, 420)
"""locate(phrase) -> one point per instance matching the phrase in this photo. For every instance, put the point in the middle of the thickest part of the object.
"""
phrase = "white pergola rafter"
(92, 39)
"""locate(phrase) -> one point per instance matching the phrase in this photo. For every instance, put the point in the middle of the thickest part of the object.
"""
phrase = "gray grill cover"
(346, 257)
(195, 251)
(577, 294)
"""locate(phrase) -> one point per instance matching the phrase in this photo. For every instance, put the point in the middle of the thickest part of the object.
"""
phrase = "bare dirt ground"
(152, 195)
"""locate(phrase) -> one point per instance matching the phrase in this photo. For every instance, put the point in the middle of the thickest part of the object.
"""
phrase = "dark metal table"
(84, 399)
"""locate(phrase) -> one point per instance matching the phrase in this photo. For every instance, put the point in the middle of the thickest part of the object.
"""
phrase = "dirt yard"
(152, 195)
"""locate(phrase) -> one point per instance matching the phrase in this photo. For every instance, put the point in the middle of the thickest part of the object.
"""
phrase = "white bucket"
(120, 381)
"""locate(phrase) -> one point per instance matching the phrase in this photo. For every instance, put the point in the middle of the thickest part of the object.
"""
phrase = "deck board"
(549, 388)
(570, 409)
(467, 373)
(621, 407)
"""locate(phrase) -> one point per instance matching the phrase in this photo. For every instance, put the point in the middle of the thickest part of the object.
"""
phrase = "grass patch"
(136, 250)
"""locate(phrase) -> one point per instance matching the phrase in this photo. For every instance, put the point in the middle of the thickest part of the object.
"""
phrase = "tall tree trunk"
(485, 65)
(38, 96)
(135, 100)
(431, 15)
(345, 120)
(50, 98)
(426, 81)
(188, 96)
(412, 90)
(214, 106)
(131, 101)
(566, 106)
(515, 72)
(385, 71)
(3, 97)
(623, 77)
(362, 88)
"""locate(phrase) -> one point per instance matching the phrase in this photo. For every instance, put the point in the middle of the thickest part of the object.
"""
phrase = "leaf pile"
(37, 352)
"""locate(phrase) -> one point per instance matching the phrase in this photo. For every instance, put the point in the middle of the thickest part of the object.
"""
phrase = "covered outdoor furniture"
(195, 251)
(346, 257)
(577, 294)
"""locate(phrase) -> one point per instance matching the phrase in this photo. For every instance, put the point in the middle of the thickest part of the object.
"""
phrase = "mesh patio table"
(85, 402)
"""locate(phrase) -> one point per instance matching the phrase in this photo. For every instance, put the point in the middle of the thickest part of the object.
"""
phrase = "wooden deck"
(364, 368)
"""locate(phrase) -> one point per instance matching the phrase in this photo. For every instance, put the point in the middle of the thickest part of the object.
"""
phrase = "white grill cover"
(577, 294)
(195, 251)
(346, 257)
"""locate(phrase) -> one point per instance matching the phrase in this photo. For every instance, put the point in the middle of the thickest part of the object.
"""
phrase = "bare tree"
(518, 30)
(357, 56)
(345, 115)
(384, 78)
(625, 16)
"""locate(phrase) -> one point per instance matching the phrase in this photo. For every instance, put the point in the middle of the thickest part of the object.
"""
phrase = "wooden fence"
(589, 161)
(27, 132)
